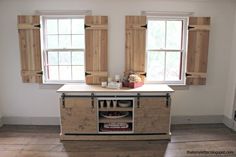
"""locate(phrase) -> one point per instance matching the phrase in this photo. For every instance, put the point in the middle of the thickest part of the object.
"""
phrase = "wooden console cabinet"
(95, 113)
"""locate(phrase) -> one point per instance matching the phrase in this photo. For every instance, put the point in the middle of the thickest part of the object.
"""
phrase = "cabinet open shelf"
(115, 115)
(128, 119)
(116, 109)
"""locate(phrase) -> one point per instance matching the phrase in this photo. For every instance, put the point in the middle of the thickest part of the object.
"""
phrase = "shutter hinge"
(37, 26)
(86, 26)
(40, 73)
(187, 74)
(144, 74)
(190, 27)
(86, 74)
(144, 26)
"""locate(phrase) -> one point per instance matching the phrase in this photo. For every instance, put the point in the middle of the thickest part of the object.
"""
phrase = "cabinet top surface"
(83, 88)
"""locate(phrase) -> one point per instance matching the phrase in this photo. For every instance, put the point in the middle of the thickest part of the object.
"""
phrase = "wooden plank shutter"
(197, 55)
(135, 44)
(30, 48)
(96, 38)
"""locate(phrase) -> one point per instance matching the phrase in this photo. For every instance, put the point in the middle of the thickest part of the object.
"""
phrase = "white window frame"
(184, 48)
(45, 50)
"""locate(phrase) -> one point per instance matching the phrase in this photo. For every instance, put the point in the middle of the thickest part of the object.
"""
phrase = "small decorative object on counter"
(133, 81)
(104, 84)
(114, 85)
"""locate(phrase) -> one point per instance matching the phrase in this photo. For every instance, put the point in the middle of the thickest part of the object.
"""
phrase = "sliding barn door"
(135, 44)
(96, 38)
(30, 48)
(197, 55)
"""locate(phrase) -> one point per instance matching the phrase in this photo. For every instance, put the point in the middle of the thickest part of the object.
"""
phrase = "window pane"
(52, 58)
(174, 35)
(78, 41)
(156, 34)
(155, 66)
(65, 58)
(65, 72)
(64, 41)
(52, 41)
(78, 58)
(51, 26)
(173, 66)
(77, 26)
(64, 26)
(78, 73)
(53, 72)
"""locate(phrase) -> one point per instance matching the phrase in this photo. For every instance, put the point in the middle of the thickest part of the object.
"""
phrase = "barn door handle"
(138, 100)
(168, 100)
(92, 100)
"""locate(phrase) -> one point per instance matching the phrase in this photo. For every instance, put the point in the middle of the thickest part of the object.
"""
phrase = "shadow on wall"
(234, 108)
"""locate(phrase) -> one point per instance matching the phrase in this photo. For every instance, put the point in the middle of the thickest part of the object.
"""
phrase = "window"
(166, 49)
(64, 47)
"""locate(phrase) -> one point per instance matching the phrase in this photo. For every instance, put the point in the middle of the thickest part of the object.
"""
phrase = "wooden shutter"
(135, 44)
(96, 38)
(198, 40)
(30, 48)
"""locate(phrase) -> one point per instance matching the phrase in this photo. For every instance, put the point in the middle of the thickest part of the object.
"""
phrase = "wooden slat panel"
(78, 116)
(91, 26)
(28, 26)
(96, 48)
(152, 116)
(198, 40)
(30, 49)
(135, 43)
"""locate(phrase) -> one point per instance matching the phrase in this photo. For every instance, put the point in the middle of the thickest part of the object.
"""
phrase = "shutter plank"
(198, 41)
(30, 49)
(135, 44)
(96, 48)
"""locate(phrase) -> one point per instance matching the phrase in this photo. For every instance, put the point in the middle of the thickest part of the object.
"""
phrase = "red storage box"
(132, 84)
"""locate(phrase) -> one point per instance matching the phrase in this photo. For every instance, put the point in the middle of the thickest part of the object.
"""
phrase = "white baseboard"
(205, 119)
(31, 120)
(229, 123)
(174, 120)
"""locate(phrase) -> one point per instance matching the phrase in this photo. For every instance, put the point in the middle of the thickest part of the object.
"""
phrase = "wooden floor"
(214, 140)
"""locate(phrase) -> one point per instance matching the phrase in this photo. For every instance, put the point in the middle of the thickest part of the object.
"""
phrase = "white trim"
(205, 119)
(183, 49)
(228, 122)
(166, 13)
(59, 15)
(63, 12)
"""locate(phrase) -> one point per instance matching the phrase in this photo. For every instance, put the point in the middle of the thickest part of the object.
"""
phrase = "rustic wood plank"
(135, 47)
(78, 116)
(197, 56)
(30, 49)
(96, 48)
(222, 139)
(152, 116)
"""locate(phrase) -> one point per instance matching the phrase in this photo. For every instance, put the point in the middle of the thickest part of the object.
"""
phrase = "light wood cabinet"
(78, 115)
(95, 113)
(152, 115)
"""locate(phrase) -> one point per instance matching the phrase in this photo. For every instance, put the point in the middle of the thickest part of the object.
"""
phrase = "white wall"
(230, 103)
(31, 100)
